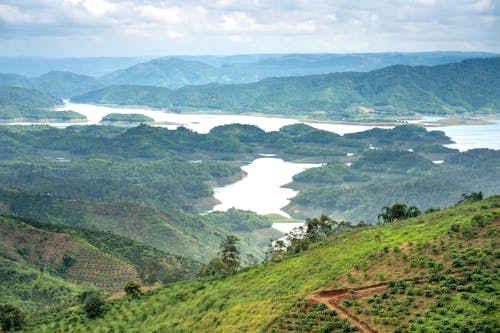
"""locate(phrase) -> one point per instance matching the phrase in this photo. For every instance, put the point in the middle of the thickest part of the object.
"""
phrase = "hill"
(465, 87)
(82, 256)
(184, 235)
(55, 83)
(164, 72)
(45, 266)
(436, 272)
(18, 104)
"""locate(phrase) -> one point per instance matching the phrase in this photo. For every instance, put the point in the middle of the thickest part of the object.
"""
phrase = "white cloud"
(164, 15)
(11, 14)
(196, 26)
(98, 7)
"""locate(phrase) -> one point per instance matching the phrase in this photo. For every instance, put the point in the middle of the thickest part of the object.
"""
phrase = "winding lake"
(260, 191)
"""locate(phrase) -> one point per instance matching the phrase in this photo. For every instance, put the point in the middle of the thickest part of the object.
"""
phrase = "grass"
(253, 299)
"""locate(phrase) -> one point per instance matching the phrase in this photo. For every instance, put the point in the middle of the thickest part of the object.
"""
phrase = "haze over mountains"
(291, 85)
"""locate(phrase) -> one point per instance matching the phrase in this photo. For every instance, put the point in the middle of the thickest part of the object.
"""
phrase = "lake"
(260, 191)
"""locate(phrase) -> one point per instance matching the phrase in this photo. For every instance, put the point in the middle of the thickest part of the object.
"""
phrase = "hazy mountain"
(35, 66)
(164, 72)
(174, 72)
(467, 86)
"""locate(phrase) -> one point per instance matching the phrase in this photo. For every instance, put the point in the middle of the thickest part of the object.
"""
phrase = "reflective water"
(260, 191)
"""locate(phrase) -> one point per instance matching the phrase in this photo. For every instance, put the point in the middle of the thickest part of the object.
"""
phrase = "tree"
(474, 196)
(397, 212)
(11, 317)
(132, 288)
(319, 228)
(230, 254)
(93, 304)
(227, 261)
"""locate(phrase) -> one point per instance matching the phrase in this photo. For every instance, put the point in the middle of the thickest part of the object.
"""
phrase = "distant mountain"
(35, 66)
(60, 84)
(467, 86)
(65, 84)
(168, 72)
(175, 72)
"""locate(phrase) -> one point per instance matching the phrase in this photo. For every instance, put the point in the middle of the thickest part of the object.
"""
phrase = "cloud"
(136, 27)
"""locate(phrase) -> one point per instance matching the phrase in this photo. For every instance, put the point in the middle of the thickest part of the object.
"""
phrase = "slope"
(261, 297)
(88, 257)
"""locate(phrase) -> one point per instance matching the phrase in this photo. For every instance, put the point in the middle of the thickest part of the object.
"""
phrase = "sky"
(82, 28)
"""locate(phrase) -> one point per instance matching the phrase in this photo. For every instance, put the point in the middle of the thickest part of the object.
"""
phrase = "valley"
(146, 183)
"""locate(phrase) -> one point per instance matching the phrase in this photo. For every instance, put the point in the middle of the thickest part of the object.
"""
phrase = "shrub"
(132, 288)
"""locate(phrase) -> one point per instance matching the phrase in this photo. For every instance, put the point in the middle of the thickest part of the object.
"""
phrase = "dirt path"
(333, 298)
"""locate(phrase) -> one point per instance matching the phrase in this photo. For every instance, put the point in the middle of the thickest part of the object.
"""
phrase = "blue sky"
(61, 28)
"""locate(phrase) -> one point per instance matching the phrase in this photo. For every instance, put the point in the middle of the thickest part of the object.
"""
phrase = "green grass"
(251, 300)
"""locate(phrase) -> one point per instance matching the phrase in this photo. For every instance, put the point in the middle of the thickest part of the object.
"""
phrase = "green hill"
(25, 104)
(436, 272)
(65, 84)
(84, 257)
(467, 86)
(185, 235)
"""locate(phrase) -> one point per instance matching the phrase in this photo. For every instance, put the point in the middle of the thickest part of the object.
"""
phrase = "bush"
(11, 317)
(94, 305)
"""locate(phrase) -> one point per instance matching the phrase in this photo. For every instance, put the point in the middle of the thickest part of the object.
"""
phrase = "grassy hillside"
(84, 257)
(32, 289)
(468, 86)
(438, 269)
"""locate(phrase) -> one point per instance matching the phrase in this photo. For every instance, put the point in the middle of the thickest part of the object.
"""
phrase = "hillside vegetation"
(435, 272)
(83, 257)
(465, 87)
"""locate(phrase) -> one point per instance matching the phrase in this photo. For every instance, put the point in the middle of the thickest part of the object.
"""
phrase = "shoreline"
(417, 119)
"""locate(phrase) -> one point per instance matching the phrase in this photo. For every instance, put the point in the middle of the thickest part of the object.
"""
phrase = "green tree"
(319, 228)
(397, 212)
(93, 304)
(11, 317)
(227, 261)
(474, 196)
(132, 288)
(230, 254)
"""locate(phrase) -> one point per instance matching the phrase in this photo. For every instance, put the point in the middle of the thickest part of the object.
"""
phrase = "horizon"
(157, 56)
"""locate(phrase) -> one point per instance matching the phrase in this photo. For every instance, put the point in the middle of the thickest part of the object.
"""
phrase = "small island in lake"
(126, 118)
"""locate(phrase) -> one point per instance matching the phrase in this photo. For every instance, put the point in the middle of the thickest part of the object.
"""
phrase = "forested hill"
(467, 86)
